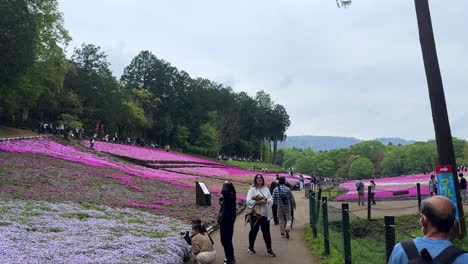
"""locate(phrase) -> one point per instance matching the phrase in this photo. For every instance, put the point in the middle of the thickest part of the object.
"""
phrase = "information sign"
(446, 184)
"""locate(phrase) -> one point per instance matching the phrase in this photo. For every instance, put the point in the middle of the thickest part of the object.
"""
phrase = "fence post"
(389, 235)
(326, 238)
(346, 234)
(318, 205)
(369, 203)
(418, 187)
(313, 222)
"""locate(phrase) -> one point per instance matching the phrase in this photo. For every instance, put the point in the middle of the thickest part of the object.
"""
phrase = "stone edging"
(20, 138)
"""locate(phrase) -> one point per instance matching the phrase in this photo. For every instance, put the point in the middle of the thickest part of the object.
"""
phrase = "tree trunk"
(271, 152)
(261, 149)
(275, 148)
(24, 115)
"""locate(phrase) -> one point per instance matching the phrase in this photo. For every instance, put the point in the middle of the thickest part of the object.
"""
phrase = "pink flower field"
(387, 188)
(195, 169)
(145, 154)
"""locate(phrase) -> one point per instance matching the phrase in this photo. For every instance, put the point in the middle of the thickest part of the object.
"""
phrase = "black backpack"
(447, 256)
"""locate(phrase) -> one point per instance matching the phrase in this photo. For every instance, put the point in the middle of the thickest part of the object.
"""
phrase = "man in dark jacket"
(226, 220)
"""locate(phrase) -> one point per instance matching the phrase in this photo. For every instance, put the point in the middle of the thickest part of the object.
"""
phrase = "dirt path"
(9, 132)
(292, 251)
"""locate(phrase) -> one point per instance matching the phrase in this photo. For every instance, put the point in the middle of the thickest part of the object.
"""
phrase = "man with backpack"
(360, 191)
(283, 198)
(437, 220)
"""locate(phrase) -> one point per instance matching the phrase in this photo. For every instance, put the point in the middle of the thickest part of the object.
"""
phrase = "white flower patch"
(42, 232)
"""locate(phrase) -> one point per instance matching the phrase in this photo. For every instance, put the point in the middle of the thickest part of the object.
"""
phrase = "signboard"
(202, 194)
(400, 193)
(446, 184)
(204, 188)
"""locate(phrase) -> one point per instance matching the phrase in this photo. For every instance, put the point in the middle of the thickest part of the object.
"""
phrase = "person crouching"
(202, 247)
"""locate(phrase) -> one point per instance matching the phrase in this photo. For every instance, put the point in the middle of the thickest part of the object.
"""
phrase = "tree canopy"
(369, 158)
(152, 99)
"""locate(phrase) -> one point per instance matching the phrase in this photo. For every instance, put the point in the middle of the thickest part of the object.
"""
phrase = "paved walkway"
(292, 251)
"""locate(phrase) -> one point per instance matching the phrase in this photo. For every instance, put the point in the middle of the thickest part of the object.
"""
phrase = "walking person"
(92, 140)
(226, 220)
(293, 205)
(372, 191)
(259, 197)
(433, 185)
(274, 207)
(462, 187)
(282, 197)
(360, 189)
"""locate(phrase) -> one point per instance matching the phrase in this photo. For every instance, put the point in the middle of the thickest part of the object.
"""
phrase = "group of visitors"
(360, 187)
(260, 203)
(68, 132)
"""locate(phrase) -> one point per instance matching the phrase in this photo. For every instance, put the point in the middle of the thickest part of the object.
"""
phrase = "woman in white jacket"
(260, 195)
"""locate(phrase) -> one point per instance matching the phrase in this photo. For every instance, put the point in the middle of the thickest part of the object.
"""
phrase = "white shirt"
(265, 209)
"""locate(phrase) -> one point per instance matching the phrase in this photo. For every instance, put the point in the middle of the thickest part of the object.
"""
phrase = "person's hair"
(432, 176)
(372, 181)
(441, 222)
(255, 179)
(198, 227)
(359, 178)
(200, 223)
(282, 180)
(461, 174)
(273, 186)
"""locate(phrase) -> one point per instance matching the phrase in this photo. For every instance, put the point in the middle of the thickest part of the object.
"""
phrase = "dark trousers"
(226, 230)
(264, 224)
(274, 207)
(372, 197)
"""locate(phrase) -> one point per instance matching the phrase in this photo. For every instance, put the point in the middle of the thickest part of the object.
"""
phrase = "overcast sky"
(339, 72)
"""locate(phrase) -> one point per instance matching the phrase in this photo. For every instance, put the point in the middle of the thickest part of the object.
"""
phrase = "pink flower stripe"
(386, 187)
(142, 153)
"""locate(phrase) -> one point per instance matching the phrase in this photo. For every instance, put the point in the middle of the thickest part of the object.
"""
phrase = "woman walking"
(259, 199)
(227, 219)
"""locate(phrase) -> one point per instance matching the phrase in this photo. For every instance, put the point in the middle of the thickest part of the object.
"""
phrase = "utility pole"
(437, 98)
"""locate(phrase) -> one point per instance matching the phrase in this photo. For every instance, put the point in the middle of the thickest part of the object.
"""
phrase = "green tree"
(182, 134)
(361, 168)
(18, 32)
(70, 121)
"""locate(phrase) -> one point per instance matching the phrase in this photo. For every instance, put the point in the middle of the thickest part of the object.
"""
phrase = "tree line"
(152, 99)
(369, 159)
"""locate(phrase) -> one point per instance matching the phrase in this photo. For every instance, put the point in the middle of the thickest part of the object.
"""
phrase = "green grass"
(258, 165)
(331, 194)
(135, 221)
(367, 239)
(89, 206)
(79, 216)
(317, 247)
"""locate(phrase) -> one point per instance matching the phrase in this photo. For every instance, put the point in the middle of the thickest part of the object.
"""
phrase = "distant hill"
(328, 143)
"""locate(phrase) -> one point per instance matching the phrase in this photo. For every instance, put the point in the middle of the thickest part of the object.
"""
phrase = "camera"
(187, 237)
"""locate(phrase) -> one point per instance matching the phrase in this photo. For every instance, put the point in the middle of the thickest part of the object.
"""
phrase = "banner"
(446, 184)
